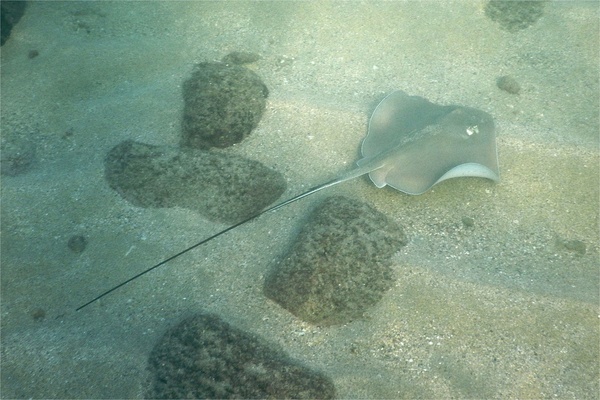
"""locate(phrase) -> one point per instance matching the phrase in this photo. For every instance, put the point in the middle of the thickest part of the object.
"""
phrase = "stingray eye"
(471, 130)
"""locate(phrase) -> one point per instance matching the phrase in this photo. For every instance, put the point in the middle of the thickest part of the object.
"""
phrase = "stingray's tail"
(182, 252)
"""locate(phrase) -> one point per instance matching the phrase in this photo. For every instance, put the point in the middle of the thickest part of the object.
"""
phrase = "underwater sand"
(506, 308)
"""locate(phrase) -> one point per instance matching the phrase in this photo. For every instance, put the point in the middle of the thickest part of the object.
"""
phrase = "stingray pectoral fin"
(376, 167)
(378, 177)
(414, 183)
(470, 169)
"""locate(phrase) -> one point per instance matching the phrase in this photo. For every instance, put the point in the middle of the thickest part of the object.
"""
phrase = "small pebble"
(38, 314)
(508, 84)
(77, 243)
(468, 222)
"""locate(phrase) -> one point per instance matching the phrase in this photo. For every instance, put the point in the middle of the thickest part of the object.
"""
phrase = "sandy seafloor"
(502, 309)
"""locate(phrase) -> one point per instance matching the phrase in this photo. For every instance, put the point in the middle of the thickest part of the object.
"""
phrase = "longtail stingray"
(411, 145)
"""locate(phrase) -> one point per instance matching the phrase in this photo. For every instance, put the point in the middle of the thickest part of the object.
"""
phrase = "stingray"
(411, 145)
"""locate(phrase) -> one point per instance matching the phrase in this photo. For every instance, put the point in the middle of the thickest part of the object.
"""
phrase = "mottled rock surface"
(514, 15)
(339, 265)
(220, 186)
(204, 357)
(223, 104)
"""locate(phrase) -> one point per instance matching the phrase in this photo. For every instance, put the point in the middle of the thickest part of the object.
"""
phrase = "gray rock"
(339, 265)
(514, 15)
(508, 84)
(204, 357)
(220, 186)
(223, 104)
(77, 243)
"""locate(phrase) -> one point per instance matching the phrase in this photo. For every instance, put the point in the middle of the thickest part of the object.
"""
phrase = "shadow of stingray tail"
(368, 167)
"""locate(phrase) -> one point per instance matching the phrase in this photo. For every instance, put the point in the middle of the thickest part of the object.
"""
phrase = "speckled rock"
(204, 357)
(220, 186)
(339, 265)
(223, 104)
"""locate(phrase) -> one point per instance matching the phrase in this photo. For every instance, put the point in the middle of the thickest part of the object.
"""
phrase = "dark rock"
(514, 15)
(38, 314)
(339, 265)
(223, 103)
(10, 13)
(574, 245)
(204, 357)
(468, 222)
(77, 243)
(508, 84)
(222, 187)
(17, 154)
